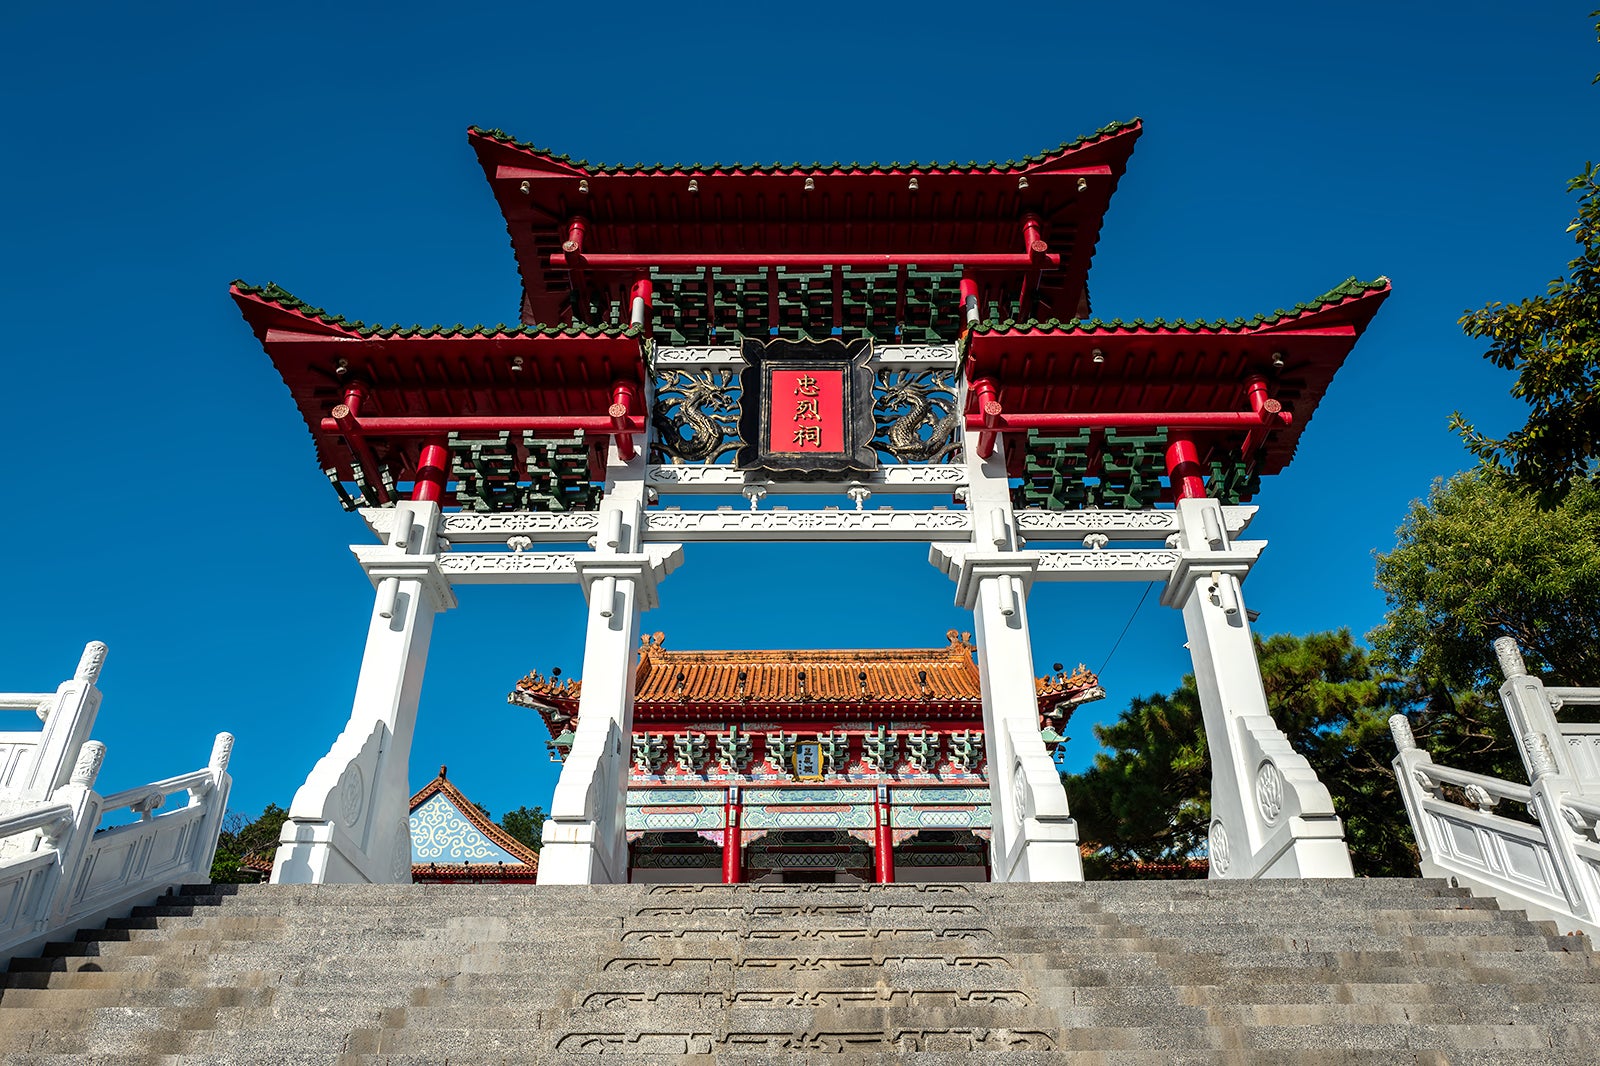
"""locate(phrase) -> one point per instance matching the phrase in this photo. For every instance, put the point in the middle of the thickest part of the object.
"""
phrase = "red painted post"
(621, 404)
(344, 422)
(639, 303)
(1183, 469)
(1033, 235)
(732, 846)
(433, 471)
(883, 839)
(576, 227)
(969, 299)
(986, 399)
(1268, 409)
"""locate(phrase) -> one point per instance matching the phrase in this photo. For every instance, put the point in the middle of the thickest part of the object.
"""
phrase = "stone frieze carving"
(669, 474)
(1153, 523)
(697, 356)
(1092, 520)
(1133, 560)
(554, 563)
(924, 354)
(524, 522)
(909, 525)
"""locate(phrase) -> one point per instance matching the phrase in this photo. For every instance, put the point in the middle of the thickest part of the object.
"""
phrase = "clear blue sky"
(162, 493)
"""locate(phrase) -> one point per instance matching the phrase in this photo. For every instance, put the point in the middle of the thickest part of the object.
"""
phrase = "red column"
(1183, 468)
(883, 846)
(732, 846)
(433, 471)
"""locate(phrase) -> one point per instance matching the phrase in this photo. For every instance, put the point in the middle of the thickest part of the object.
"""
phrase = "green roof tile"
(1346, 290)
(952, 166)
(276, 294)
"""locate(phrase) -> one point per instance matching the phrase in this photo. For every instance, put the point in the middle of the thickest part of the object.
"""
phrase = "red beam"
(1175, 420)
(621, 403)
(985, 397)
(856, 260)
(426, 426)
(344, 419)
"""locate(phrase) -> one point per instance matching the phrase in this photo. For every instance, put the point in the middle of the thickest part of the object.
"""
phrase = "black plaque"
(806, 408)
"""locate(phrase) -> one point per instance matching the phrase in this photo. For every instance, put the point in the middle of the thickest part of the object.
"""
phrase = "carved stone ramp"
(1291, 972)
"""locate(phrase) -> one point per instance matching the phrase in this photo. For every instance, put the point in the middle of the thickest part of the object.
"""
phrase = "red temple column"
(732, 846)
(1183, 468)
(883, 839)
(433, 471)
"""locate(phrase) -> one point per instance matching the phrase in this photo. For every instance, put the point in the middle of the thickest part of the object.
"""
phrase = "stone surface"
(1398, 971)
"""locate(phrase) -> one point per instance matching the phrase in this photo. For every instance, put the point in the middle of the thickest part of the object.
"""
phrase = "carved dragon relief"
(918, 418)
(695, 416)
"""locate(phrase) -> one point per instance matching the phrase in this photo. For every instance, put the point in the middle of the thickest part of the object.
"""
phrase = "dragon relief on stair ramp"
(695, 417)
(919, 419)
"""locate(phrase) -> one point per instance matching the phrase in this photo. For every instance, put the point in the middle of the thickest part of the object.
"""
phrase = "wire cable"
(1131, 617)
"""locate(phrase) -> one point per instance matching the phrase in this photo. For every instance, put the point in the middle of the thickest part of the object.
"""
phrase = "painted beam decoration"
(811, 414)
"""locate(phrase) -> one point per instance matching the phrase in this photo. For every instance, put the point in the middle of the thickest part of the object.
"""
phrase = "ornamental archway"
(955, 357)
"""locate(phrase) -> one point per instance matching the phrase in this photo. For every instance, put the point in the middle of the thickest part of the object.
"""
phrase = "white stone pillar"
(350, 821)
(68, 718)
(1034, 836)
(585, 836)
(1552, 776)
(1270, 816)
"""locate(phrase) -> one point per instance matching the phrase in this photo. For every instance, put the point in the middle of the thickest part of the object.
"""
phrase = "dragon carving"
(908, 403)
(694, 417)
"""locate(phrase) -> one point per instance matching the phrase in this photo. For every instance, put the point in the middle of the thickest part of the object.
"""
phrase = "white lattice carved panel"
(1584, 746)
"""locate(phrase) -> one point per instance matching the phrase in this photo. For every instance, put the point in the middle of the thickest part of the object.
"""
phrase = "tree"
(525, 824)
(241, 842)
(1553, 343)
(1148, 797)
(1479, 560)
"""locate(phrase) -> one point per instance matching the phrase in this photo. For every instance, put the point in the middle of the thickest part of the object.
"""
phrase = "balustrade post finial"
(221, 752)
(1510, 656)
(1400, 730)
(90, 758)
(94, 657)
(1541, 760)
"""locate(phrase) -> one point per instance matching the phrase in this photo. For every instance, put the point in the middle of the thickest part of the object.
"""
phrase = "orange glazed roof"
(935, 680)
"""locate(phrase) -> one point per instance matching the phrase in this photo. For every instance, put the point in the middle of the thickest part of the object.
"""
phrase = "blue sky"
(163, 493)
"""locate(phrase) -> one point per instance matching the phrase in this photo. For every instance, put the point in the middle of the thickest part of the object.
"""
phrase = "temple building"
(452, 839)
(802, 766)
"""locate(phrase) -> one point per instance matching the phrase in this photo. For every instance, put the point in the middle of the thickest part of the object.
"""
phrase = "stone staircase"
(1366, 971)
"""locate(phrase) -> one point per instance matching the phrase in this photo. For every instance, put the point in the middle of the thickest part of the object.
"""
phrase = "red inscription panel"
(807, 411)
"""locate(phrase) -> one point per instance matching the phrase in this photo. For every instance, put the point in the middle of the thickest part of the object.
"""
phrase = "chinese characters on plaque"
(807, 411)
(807, 407)
(808, 761)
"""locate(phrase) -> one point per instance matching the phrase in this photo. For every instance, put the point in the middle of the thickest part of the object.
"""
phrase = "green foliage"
(525, 824)
(1479, 560)
(1553, 344)
(240, 842)
(1148, 796)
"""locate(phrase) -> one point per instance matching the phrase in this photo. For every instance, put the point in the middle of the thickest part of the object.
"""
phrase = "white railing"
(60, 868)
(1549, 867)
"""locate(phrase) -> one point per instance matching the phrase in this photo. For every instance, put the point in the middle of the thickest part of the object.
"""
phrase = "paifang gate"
(878, 331)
